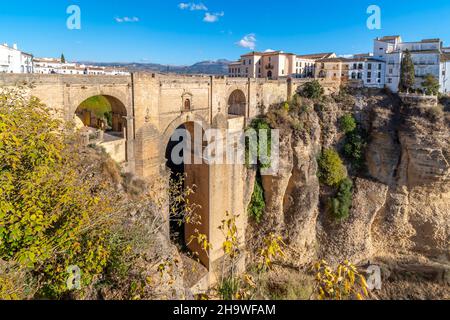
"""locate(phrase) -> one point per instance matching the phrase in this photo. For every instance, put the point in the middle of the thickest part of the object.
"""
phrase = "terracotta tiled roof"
(316, 56)
(338, 59)
(445, 57)
(388, 38)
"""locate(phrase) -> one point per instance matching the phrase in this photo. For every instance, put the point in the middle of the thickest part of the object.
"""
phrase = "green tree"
(54, 213)
(431, 85)
(407, 73)
(260, 151)
(258, 202)
(331, 168)
(312, 90)
(63, 59)
(347, 123)
(340, 205)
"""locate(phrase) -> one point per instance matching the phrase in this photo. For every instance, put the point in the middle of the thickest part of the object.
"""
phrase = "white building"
(275, 65)
(429, 57)
(12, 60)
(370, 72)
(55, 66)
(444, 79)
(47, 65)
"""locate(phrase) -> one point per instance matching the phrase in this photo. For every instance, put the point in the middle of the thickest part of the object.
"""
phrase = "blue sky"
(163, 31)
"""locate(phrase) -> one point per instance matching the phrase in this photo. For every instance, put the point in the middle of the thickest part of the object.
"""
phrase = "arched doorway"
(103, 120)
(237, 104)
(269, 75)
(188, 171)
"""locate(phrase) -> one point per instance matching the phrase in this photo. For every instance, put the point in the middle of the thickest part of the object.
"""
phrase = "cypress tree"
(407, 75)
(63, 59)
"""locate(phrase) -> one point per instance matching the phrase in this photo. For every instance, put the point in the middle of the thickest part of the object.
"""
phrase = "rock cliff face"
(401, 202)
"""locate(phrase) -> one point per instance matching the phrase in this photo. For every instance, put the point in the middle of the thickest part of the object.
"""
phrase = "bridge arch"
(103, 120)
(118, 95)
(237, 103)
(103, 107)
(188, 171)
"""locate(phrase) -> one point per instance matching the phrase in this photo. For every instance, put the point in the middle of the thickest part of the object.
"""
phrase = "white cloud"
(192, 6)
(213, 17)
(248, 41)
(126, 19)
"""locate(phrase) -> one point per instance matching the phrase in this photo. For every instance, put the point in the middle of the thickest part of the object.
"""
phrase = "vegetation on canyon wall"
(70, 225)
(261, 152)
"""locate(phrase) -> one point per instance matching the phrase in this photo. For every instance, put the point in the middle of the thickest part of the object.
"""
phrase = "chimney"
(15, 46)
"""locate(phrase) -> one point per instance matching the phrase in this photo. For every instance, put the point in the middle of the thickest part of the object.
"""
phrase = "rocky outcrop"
(352, 239)
(401, 203)
(416, 218)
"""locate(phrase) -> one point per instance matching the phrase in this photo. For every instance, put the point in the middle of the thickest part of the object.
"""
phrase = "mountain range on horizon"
(210, 67)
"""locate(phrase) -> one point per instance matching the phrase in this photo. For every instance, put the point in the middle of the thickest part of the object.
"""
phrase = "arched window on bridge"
(237, 104)
(187, 104)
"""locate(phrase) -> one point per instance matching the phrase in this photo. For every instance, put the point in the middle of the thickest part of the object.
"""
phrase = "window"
(389, 80)
(379, 75)
(369, 74)
(369, 80)
(369, 66)
(391, 71)
(379, 66)
(187, 105)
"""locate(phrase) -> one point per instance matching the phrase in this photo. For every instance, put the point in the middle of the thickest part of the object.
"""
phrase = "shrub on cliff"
(312, 90)
(257, 151)
(355, 141)
(347, 123)
(339, 206)
(258, 203)
(331, 168)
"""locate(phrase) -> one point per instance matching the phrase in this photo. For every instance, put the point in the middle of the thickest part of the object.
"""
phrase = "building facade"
(55, 66)
(275, 65)
(366, 72)
(12, 60)
(429, 57)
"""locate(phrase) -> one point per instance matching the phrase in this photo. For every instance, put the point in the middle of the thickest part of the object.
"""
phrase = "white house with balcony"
(13, 60)
(429, 57)
(368, 71)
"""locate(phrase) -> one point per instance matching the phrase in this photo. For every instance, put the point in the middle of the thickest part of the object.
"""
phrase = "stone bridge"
(147, 108)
